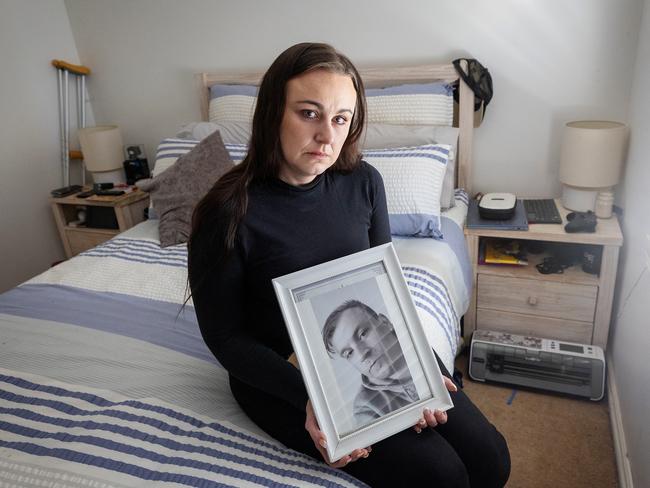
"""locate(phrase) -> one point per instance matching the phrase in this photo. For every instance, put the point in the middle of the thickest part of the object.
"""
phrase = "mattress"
(105, 380)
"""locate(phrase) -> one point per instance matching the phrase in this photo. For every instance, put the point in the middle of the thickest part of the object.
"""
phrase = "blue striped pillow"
(412, 104)
(169, 150)
(413, 178)
(232, 103)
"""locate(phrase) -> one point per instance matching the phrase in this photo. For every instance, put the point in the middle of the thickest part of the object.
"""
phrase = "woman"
(301, 197)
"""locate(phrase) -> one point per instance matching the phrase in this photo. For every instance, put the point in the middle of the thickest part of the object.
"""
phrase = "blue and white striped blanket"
(125, 442)
(106, 381)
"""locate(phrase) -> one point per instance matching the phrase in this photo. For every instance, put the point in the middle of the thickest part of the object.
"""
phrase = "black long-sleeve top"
(285, 229)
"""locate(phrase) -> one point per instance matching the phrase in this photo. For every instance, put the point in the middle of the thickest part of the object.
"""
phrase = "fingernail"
(427, 411)
(323, 443)
(418, 430)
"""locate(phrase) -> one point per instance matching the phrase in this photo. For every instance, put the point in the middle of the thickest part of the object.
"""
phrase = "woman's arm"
(379, 232)
(220, 308)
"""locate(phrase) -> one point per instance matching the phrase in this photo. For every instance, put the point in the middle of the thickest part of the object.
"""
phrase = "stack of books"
(503, 252)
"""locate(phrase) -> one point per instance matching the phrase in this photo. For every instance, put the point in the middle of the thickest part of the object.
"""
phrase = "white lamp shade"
(102, 148)
(592, 153)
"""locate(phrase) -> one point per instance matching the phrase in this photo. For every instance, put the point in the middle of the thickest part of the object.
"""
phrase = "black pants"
(467, 451)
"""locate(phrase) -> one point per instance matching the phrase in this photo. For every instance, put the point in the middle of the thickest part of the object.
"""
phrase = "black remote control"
(66, 190)
(111, 193)
(85, 194)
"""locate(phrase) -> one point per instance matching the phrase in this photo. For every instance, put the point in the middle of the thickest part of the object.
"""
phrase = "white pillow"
(411, 104)
(232, 103)
(231, 132)
(413, 178)
(379, 136)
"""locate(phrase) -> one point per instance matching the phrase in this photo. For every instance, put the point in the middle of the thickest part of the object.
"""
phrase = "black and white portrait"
(368, 361)
(362, 351)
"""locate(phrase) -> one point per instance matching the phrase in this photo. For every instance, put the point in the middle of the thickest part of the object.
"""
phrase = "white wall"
(631, 331)
(551, 61)
(32, 33)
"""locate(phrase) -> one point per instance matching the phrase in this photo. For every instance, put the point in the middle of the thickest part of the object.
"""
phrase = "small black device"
(66, 190)
(109, 193)
(102, 186)
(542, 211)
(85, 194)
(136, 169)
(581, 222)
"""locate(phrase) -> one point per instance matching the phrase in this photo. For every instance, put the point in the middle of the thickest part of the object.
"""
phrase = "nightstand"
(127, 210)
(573, 306)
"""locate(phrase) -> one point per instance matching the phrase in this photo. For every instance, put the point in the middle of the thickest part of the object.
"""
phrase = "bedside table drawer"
(81, 240)
(537, 297)
(535, 325)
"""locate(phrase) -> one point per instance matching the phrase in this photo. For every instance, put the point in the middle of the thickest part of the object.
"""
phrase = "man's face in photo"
(369, 344)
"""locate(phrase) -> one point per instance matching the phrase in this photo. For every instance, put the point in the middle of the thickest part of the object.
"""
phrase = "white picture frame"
(345, 379)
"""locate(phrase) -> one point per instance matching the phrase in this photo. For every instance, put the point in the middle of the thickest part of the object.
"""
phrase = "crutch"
(64, 69)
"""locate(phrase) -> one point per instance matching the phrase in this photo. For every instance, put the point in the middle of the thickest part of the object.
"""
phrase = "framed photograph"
(363, 355)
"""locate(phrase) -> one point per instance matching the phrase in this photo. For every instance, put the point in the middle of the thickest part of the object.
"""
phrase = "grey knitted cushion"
(176, 191)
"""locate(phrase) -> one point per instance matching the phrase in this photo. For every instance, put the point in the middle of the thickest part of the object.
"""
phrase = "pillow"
(232, 103)
(231, 132)
(178, 189)
(413, 178)
(169, 150)
(410, 104)
(413, 104)
(386, 136)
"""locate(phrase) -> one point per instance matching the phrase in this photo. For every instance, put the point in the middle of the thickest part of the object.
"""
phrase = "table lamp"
(102, 152)
(591, 159)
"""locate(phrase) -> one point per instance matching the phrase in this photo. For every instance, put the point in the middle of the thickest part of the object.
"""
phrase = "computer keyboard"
(542, 211)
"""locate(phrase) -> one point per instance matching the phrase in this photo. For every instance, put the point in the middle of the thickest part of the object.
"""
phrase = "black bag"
(478, 79)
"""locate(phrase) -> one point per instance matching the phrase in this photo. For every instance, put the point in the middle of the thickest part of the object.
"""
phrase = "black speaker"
(136, 169)
(101, 218)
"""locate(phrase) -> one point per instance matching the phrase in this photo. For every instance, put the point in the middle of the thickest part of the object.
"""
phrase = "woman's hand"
(319, 441)
(431, 419)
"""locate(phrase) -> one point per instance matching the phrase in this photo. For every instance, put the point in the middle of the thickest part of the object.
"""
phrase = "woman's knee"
(493, 467)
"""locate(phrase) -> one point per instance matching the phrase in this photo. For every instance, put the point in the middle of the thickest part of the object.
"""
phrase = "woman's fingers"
(430, 419)
(449, 384)
(317, 436)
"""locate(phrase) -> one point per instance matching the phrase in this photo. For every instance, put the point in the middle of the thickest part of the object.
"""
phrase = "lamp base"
(116, 177)
(579, 199)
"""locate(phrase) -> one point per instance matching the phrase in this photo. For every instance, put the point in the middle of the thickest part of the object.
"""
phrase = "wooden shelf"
(573, 274)
(128, 209)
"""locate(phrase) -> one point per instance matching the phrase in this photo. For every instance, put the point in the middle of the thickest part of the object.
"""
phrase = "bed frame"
(380, 77)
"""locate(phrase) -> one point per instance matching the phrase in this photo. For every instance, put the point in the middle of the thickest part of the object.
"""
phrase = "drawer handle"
(532, 301)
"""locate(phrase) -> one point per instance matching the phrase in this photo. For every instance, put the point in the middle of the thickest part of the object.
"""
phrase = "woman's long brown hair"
(217, 216)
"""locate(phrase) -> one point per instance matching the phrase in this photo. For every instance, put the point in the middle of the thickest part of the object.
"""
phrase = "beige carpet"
(555, 441)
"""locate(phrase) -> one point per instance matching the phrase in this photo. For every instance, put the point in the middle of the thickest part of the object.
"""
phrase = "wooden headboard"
(381, 77)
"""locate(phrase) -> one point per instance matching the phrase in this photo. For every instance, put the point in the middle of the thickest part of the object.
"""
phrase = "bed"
(104, 377)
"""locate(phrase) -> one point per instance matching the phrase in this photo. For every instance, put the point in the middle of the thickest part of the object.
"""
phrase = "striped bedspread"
(57, 434)
(106, 381)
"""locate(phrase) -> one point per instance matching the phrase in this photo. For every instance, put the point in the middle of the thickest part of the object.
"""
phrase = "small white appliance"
(497, 206)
